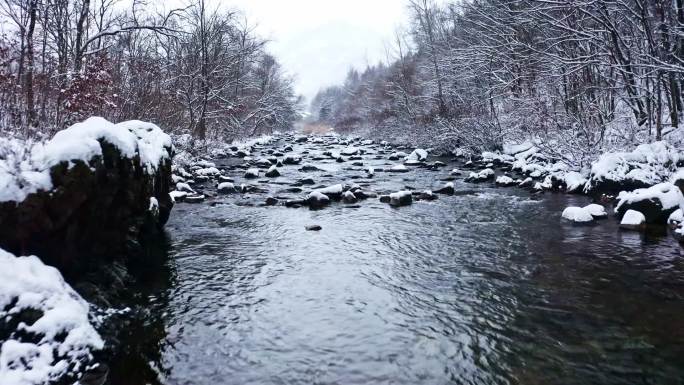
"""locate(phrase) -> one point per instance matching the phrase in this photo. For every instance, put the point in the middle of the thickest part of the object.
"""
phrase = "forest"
(198, 69)
(580, 77)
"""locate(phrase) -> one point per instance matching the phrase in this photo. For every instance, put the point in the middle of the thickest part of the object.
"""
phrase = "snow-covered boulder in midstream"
(401, 198)
(648, 165)
(655, 203)
(85, 194)
(45, 333)
(418, 155)
(505, 181)
(633, 220)
(399, 168)
(482, 176)
(272, 172)
(317, 200)
(577, 215)
(292, 159)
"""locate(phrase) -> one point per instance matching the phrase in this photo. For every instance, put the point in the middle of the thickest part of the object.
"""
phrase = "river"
(488, 286)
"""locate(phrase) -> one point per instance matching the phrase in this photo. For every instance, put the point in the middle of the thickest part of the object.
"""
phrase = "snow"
(66, 338)
(482, 175)
(512, 149)
(209, 171)
(633, 218)
(177, 195)
(578, 214)
(154, 205)
(331, 190)
(668, 194)
(401, 198)
(574, 181)
(417, 155)
(676, 217)
(184, 187)
(317, 196)
(650, 164)
(252, 173)
(504, 180)
(226, 187)
(350, 151)
(596, 211)
(399, 168)
(24, 174)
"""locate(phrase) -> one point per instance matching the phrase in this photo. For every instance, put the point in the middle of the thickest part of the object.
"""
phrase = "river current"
(486, 286)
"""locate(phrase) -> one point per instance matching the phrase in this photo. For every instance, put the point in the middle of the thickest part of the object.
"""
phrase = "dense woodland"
(579, 76)
(194, 70)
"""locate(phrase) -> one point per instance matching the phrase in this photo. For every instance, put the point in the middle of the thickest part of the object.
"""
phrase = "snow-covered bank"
(86, 193)
(45, 332)
(25, 167)
(646, 179)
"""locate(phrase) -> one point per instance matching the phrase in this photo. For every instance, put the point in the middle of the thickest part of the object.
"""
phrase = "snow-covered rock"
(596, 210)
(655, 203)
(272, 172)
(349, 197)
(633, 220)
(418, 154)
(648, 165)
(226, 188)
(401, 198)
(23, 174)
(263, 163)
(447, 189)
(316, 200)
(578, 214)
(349, 151)
(398, 168)
(292, 159)
(47, 335)
(184, 187)
(397, 155)
(334, 191)
(484, 175)
(252, 173)
(676, 218)
(505, 181)
(103, 176)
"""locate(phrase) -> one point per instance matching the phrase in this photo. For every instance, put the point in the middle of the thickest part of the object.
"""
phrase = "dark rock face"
(651, 208)
(94, 211)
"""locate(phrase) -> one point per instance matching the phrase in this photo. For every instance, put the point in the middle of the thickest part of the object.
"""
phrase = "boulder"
(655, 203)
(317, 200)
(95, 203)
(633, 220)
(226, 188)
(505, 181)
(252, 173)
(272, 172)
(447, 189)
(578, 215)
(401, 198)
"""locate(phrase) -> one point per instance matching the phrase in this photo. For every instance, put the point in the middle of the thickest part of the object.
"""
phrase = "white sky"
(318, 40)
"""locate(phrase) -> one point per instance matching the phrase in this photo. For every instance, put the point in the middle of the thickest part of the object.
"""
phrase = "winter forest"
(405, 192)
(581, 76)
(195, 69)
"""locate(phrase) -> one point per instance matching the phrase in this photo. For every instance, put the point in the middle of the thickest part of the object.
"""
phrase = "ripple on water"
(484, 287)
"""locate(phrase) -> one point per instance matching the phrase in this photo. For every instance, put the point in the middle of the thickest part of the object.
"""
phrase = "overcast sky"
(318, 40)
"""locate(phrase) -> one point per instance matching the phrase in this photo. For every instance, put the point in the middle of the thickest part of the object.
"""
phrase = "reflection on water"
(488, 287)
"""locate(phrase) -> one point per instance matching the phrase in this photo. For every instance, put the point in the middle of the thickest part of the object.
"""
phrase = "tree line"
(575, 74)
(196, 70)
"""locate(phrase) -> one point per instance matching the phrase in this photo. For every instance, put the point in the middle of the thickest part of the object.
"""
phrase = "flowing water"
(487, 286)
